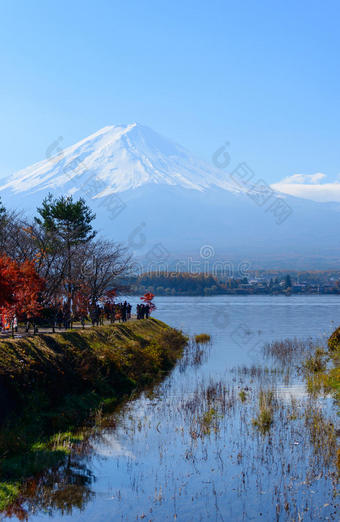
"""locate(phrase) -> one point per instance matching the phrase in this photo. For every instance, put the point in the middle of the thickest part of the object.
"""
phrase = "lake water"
(188, 451)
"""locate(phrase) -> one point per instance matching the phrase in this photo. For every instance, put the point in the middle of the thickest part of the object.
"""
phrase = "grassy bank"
(51, 384)
(322, 368)
(333, 376)
(322, 372)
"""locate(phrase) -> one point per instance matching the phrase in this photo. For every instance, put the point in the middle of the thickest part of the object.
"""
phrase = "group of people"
(62, 316)
(112, 312)
(120, 312)
(143, 311)
(97, 314)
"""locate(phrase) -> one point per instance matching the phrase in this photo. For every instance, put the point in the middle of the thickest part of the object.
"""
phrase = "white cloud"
(309, 186)
(304, 178)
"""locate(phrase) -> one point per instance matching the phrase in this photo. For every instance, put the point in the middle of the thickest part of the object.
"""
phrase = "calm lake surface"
(188, 451)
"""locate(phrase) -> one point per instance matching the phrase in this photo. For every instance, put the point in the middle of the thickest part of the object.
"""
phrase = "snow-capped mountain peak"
(173, 203)
(121, 157)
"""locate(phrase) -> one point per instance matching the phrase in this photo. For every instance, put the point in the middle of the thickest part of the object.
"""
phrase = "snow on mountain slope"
(123, 157)
(147, 191)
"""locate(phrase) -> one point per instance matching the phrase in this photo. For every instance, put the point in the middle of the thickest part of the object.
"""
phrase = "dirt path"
(44, 330)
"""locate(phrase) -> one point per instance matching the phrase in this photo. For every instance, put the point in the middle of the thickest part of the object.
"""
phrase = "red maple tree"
(20, 286)
(147, 298)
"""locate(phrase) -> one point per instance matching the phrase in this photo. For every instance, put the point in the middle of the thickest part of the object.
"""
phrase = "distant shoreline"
(248, 283)
(242, 294)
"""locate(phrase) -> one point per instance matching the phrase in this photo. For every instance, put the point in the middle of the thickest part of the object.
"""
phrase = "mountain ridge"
(124, 157)
(139, 182)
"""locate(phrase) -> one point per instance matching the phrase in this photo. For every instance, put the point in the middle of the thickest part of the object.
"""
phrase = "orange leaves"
(147, 298)
(20, 286)
(6, 274)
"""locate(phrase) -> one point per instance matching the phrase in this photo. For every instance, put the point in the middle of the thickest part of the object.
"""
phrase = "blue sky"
(262, 75)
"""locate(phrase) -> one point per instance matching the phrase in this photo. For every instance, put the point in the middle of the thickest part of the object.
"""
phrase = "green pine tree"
(67, 223)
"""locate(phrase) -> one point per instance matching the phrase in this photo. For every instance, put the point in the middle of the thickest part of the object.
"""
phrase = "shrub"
(202, 338)
(315, 363)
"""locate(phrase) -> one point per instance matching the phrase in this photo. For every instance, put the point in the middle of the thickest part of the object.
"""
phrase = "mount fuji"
(163, 203)
(124, 158)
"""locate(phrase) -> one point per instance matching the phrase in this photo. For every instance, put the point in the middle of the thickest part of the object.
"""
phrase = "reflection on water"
(61, 490)
(189, 450)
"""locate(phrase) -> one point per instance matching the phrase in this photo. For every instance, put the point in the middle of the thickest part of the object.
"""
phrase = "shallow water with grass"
(232, 433)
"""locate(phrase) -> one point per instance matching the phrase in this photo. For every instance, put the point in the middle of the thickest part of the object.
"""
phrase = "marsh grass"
(211, 423)
(316, 362)
(322, 434)
(208, 422)
(206, 408)
(194, 355)
(257, 371)
(202, 338)
(243, 396)
(265, 416)
(289, 350)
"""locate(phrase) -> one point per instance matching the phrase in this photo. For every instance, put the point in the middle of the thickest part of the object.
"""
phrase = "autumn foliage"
(55, 265)
(20, 286)
(147, 298)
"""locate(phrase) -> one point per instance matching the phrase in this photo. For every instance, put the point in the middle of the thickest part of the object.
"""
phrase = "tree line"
(205, 284)
(56, 261)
